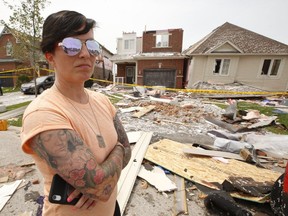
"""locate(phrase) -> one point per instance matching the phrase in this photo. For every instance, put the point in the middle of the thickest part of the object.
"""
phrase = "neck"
(78, 95)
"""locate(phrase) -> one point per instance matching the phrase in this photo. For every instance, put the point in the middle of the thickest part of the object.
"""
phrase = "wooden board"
(180, 199)
(203, 170)
(143, 111)
(130, 172)
(211, 153)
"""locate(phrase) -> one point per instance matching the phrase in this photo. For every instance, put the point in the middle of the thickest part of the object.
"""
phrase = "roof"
(143, 56)
(1, 28)
(246, 41)
(6, 60)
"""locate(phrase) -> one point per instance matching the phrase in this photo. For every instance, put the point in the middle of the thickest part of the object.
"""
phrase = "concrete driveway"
(15, 98)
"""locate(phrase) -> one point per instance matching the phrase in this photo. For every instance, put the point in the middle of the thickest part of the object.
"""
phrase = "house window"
(162, 40)
(9, 48)
(129, 44)
(221, 66)
(270, 67)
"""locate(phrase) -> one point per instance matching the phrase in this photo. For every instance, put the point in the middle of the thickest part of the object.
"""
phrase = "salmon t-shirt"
(51, 110)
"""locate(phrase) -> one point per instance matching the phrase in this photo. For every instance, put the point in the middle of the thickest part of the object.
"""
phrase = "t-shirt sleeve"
(39, 121)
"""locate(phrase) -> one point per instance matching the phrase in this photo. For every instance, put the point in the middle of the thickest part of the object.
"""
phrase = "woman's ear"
(49, 57)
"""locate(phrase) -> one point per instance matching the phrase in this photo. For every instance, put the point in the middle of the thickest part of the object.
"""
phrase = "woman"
(72, 131)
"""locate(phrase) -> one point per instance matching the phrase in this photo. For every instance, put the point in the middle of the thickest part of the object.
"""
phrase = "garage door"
(160, 77)
(6, 80)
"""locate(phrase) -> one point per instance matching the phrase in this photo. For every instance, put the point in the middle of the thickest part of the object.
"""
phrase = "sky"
(197, 18)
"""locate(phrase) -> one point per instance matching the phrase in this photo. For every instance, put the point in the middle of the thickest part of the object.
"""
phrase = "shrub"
(22, 79)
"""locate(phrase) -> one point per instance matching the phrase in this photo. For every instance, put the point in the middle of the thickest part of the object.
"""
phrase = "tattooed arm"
(123, 140)
(66, 153)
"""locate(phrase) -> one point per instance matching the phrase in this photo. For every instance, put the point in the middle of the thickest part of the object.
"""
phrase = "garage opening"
(160, 77)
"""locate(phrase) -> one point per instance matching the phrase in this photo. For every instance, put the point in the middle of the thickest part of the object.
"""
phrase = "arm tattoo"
(123, 139)
(65, 152)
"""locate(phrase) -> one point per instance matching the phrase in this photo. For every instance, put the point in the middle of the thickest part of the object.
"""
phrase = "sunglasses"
(72, 46)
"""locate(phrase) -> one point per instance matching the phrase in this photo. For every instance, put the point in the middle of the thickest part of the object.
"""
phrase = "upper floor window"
(129, 44)
(270, 67)
(162, 40)
(221, 66)
(9, 48)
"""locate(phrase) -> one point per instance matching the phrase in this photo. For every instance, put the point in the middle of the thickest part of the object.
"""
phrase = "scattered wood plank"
(130, 172)
(180, 203)
(143, 111)
(211, 153)
(225, 125)
(163, 100)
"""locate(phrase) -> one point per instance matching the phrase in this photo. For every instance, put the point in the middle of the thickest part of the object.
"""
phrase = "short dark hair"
(62, 24)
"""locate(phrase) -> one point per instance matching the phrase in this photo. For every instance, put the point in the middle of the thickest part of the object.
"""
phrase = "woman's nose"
(84, 50)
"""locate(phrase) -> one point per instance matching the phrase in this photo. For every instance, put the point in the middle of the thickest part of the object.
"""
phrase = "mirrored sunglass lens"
(93, 47)
(71, 46)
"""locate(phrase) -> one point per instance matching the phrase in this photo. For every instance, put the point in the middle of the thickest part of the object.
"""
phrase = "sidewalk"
(13, 113)
(11, 154)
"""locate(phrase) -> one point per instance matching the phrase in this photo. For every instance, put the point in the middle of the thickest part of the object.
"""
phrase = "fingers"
(75, 194)
(85, 203)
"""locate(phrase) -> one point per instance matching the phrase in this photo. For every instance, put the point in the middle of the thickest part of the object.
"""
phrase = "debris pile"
(187, 148)
(222, 149)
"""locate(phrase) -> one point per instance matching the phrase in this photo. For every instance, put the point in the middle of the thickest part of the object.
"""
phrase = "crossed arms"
(65, 152)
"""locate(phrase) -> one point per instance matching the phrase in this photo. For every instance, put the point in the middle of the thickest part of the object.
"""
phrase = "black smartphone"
(60, 191)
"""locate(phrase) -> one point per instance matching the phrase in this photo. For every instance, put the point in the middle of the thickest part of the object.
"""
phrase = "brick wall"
(175, 41)
(176, 64)
(3, 41)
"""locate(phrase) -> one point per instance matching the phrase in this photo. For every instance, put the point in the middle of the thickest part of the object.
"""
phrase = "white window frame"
(9, 48)
(270, 67)
(223, 68)
(162, 40)
(129, 44)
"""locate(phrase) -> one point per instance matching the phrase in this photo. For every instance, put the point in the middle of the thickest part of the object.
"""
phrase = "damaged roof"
(247, 42)
(150, 55)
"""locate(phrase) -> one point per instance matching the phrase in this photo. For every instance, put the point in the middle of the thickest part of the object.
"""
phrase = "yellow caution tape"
(198, 91)
(15, 70)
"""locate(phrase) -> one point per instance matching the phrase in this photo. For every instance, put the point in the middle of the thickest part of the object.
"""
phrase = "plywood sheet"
(203, 170)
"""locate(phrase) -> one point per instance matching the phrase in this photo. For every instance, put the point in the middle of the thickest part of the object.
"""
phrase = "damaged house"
(154, 59)
(233, 54)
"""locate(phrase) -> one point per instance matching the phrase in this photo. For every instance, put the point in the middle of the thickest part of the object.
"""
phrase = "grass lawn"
(282, 119)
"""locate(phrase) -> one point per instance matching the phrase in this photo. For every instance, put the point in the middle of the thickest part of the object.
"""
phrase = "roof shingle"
(249, 42)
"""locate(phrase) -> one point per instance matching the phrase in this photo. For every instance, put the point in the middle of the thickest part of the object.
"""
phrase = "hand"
(83, 203)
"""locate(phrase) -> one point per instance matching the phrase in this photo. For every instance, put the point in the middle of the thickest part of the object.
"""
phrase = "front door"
(130, 74)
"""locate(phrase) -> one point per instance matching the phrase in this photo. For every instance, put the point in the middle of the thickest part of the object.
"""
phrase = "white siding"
(243, 69)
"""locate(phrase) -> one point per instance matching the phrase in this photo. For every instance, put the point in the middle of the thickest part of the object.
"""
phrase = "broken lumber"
(143, 111)
(129, 173)
(180, 203)
(211, 153)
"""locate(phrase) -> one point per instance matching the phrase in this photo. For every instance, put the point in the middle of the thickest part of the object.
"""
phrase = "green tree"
(25, 24)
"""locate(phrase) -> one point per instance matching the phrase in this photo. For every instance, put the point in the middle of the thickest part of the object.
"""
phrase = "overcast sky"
(196, 17)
